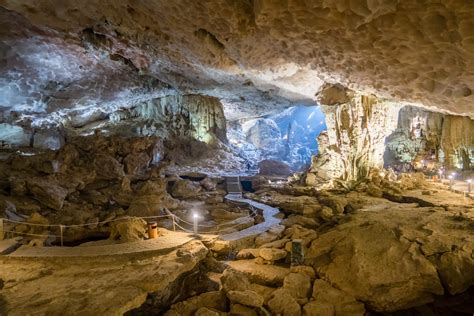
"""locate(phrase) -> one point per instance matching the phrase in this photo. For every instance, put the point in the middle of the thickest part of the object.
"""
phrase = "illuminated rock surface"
(115, 110)
(262, 50)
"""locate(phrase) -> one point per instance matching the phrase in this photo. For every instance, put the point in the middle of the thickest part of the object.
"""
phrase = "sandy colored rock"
(272, 254)
(131, 284)
(265, 238)
(208, 184)
(185, 189)
(336, 203)
(248, 253)
(273, 167)
(212, 301)
(299, 232)
(234, 280)
(300, 220)
(316, 308)
(413, 278)
(306, 270)
(151, 205)
(204, 311)
(282, 303)
(326, 299)
(302, 205)
(47, 192)
(136, 163)
(280, 243)
(128, 229)
(241, 310)
(246, 297)
(268, 275)
(299, 286)
(355, 140)
(107, 167)
(264, 291)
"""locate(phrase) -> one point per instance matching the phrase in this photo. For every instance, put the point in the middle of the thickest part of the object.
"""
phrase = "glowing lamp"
(195, 222)
(469, 185)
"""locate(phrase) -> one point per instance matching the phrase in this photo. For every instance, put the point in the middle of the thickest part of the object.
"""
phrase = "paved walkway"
(163, 244)
(160, 245)
(268, 215)
(460, 187)
(7, 245)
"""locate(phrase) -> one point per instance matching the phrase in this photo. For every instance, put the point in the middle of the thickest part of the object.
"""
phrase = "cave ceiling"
(84, 59)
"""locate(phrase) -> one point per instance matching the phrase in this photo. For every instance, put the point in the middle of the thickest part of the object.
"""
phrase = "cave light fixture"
(441, 174)
(195, 223)
(469, 185)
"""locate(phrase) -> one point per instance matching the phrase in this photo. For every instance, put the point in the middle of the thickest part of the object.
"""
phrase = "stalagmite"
(355, 140)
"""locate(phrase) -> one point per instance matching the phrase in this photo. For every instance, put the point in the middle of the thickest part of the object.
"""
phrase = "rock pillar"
(355, 139)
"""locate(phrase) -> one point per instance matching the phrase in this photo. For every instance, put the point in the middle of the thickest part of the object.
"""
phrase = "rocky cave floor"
(387, 245)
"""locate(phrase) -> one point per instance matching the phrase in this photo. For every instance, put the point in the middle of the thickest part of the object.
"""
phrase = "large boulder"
(107, 167)
(264, 238)
(282, 303)
(270, 167)
(136, 163)
(47, 192)
(215, 300)
(234, 280)
(272, 254)
(330, 301)
(242, 310)
(208, 184)
(396, 259)
(299, 286)
(246, 297)
(185, 189)
(269, 275)
(152, 204)
(128, 229)
(304, 205)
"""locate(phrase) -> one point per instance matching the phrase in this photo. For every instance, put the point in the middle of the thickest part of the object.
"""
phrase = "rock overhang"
(73, 59)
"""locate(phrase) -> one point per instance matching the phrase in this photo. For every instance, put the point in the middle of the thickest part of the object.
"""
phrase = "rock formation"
(355, 140)
(435, 138)
(261, 53)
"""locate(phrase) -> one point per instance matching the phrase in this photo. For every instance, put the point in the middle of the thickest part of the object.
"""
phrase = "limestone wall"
(196, 116)
(433, 137)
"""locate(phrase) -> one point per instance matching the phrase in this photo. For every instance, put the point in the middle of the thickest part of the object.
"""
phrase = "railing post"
(61, 231)
(2, 234)
(195, 218)
(297, 252)
(174, 223)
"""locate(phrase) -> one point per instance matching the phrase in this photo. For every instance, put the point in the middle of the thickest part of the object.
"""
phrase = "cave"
(237, 157)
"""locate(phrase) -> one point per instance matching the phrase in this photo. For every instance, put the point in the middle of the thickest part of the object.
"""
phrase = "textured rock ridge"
(355, 140)
(254, 55)
(431, 137)
(172, 117)
(196, 116)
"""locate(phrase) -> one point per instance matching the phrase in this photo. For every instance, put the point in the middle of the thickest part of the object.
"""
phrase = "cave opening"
(288, 137)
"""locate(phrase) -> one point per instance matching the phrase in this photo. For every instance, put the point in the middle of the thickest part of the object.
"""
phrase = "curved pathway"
(268, 215)
(161, 245)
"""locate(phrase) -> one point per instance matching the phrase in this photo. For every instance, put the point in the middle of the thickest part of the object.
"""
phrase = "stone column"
(355, 140)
